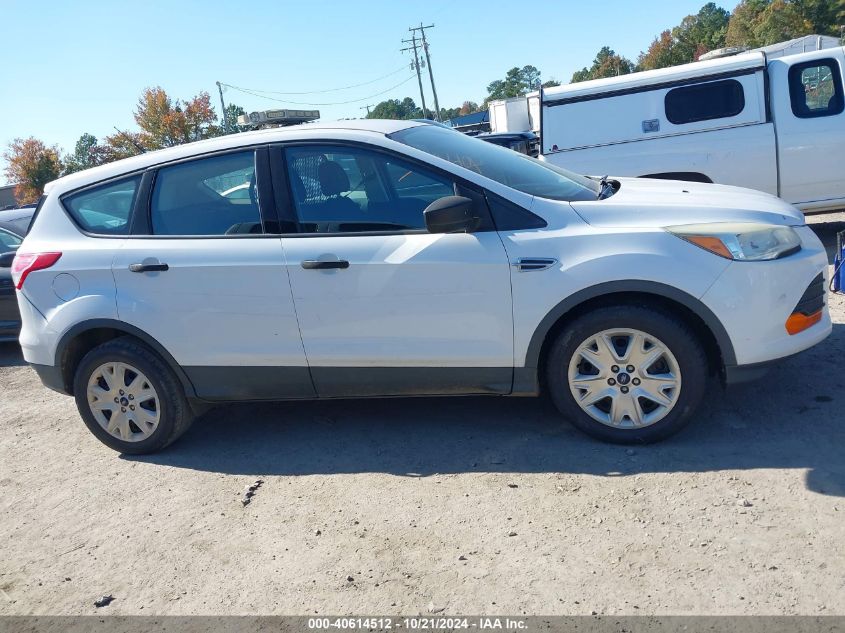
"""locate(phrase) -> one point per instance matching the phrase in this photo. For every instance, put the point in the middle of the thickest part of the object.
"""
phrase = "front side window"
(217, 195)
(505, 166)
(352, 190)
(105, 209)
(704, 102)
(815, 89)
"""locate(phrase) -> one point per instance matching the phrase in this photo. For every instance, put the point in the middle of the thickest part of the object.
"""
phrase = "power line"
(314, 92)
(367, 98)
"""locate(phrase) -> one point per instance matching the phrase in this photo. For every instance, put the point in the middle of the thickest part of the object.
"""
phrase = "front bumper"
(753, 300)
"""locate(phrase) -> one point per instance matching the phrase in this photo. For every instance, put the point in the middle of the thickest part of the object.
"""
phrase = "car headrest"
(333, 180)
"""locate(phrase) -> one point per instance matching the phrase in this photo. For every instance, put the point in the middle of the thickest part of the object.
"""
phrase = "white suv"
(381, 258)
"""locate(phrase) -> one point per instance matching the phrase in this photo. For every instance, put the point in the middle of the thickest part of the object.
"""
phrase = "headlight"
(743, 241)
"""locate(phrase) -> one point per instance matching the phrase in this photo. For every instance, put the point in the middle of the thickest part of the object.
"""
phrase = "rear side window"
(209, 196)
(104, 210)
(815, 89)
(703, 102)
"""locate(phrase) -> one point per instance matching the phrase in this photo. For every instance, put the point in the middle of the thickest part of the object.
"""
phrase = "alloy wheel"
(123, 401)
(624, 378)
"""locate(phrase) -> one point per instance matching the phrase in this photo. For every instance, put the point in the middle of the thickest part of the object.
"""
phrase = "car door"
(9, 315)
(384, 307)
(201, 276)
(810, 121)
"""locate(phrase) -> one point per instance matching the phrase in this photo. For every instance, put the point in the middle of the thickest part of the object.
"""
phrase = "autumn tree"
(165, 122)
(606, 64)
(468, 107)
(31, 164)
(762, 22)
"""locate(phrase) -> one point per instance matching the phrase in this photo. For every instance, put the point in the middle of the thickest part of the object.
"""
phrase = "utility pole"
(223, 105)
(367, 107)
(422, 29)
(413, 42)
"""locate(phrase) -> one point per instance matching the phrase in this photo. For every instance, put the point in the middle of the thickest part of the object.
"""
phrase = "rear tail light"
(25, 263)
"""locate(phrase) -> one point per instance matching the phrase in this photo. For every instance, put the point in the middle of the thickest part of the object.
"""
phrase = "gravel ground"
(465, 505)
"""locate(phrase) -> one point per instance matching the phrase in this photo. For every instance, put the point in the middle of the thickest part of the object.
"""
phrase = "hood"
(651, 203)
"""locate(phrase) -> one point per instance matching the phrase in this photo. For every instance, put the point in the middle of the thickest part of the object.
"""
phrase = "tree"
(468, 107)
(86, 154)
(31, 165)
(551, 83)
(662, 53)
(762, 22)
(165, 122)
(232, 113)
(606, 64)
(395, 109)
(517, 82)
(700, 33)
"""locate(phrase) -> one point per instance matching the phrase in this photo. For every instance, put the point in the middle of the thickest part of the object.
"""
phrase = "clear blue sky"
(74, 67)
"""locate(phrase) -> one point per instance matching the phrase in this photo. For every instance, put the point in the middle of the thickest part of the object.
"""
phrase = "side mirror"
(6, 259)
(452, 214)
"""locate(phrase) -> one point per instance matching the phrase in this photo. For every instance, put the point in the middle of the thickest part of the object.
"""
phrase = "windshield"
(510, 168)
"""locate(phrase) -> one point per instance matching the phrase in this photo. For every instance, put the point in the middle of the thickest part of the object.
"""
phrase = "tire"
(157, 413)
(668, 381)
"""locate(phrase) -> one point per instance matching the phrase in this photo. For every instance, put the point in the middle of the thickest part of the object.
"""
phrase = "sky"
(75, 67)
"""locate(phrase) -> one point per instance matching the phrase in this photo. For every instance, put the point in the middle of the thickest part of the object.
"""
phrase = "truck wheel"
(129, 398)
(627, 373)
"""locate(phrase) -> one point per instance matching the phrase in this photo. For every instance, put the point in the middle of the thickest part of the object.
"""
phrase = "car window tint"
(208, 196)
(104, 209)
(703, 102)
(349, 190)
(8, 241)
(815, 89)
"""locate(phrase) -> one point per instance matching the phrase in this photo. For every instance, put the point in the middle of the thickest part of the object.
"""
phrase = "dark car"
(13, 227)
(522, 142)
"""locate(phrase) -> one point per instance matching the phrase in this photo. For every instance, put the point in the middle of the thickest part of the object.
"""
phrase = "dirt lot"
(411, 506)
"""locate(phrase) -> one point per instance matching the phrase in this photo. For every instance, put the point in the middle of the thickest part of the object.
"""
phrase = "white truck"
(772, 124)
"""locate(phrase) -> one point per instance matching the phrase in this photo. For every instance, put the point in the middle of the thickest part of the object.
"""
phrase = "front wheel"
(129, 398)
(627, 373)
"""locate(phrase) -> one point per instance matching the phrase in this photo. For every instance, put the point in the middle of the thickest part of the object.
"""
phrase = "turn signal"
(25, 263)
(798, 322)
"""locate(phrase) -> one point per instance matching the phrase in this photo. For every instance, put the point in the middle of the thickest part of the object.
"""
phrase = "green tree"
(606, 64)
(517, 82)
(395, 109)
(700, 33)
(233, 111)
(86, 154)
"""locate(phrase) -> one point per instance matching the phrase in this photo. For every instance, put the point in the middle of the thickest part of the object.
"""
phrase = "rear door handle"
(317, 264)
(148, 268)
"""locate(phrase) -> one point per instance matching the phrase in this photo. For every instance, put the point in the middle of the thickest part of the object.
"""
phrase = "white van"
(777, 125)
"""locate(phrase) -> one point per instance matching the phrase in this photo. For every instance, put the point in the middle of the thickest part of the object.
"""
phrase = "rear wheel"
(627, 373)
(129, 398)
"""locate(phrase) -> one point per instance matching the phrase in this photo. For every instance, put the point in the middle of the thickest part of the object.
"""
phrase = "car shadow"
(793, 418)
(10, 355)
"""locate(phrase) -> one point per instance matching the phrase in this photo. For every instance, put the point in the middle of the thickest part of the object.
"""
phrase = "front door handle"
(318, 264)
(148, 268)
